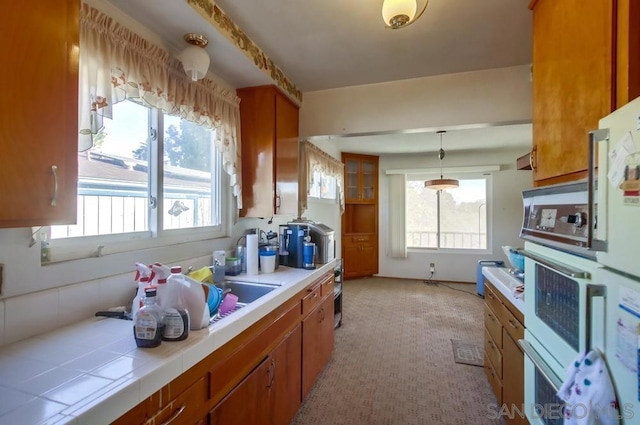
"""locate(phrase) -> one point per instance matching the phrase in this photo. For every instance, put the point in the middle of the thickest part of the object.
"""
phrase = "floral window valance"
(314, 159)
(117, 64)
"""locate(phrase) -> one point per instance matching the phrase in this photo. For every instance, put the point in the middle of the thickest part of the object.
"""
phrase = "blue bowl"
(516, 260)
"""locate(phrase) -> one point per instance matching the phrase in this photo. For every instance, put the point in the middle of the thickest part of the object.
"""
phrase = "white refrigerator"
(617, 239)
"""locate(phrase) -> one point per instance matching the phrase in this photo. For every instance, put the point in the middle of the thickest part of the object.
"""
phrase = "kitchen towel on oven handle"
(588, 392)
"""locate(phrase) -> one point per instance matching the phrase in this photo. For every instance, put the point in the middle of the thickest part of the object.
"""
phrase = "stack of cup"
(267, 261)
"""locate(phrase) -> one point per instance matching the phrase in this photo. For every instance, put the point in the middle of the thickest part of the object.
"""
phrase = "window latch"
(153, 202)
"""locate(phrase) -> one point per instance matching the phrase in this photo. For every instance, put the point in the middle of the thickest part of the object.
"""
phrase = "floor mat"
(466, 353)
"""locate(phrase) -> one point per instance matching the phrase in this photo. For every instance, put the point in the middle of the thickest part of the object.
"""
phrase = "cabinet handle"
(175, 415)
(513, 325)
(54, 171)
(532, 155)
(493, 319)
(490, 295)
(490, 343)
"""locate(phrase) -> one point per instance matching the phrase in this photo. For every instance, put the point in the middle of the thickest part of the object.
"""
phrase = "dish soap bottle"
(148, 323)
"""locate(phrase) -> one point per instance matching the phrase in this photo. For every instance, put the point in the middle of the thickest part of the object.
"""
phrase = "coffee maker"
(292, 239)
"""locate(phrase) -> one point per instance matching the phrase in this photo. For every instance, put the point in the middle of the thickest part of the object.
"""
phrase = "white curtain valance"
(117, 64)
(397, 216)
(313, 159)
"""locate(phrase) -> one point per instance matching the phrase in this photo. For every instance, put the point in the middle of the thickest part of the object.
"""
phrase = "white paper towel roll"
(252, 254)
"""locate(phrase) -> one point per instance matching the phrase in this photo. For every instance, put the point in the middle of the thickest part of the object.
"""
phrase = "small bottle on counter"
(148, 324)
(176, 315)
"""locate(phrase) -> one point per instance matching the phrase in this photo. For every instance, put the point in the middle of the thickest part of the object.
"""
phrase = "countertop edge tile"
(504, 283)
(159, 366)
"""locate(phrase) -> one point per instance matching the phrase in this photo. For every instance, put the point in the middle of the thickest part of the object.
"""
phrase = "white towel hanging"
(589, 393)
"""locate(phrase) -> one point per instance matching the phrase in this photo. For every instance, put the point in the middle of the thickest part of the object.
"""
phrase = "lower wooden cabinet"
(286, 385)
(503, 359)
(360, 256)
(513, 377)
(317, 342)
(248, 403)
(257, 377)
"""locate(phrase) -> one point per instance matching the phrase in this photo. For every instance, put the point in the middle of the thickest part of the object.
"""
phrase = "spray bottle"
(170, 300)
(142, 278)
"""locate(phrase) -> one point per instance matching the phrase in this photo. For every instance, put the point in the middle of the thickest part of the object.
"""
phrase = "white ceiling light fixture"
(401, 13)
(195, 59)
(441, 183)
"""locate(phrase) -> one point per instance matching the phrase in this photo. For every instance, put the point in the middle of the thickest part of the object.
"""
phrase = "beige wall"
(491, 96)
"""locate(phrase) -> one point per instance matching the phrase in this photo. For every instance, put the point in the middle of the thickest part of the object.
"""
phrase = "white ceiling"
(336, 43)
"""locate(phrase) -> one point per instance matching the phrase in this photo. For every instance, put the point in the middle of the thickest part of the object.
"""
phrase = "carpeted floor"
(393, 362)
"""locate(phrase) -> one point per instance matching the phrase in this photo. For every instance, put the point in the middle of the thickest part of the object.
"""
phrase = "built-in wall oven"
(564, 309)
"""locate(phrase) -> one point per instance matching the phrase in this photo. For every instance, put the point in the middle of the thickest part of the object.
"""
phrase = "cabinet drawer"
(512, 325)
(494, 380)
(187, 407)
(311, 300)
(493, 301)
(493, 325)
(494, 354)
(360, 239)
(326, 287)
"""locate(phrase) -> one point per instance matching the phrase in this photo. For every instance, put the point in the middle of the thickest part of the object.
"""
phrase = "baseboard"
(435, 280)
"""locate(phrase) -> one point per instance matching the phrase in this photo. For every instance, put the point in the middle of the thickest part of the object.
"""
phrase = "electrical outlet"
(432, 267)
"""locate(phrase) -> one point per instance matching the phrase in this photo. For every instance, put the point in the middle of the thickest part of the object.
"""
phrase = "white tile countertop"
(93, 372)
(505, 283)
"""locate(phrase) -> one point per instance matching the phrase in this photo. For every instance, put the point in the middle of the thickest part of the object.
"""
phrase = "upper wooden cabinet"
(269, 125)
(361, 178)
(583, 68)
(39, 120)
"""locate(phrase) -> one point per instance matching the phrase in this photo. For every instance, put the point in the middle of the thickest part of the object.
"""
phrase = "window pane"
(463, 216)
(189, 157)
(323, 186)
(113, 177)
(422, 216)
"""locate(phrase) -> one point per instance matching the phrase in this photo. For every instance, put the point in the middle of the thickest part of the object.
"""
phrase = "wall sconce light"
(195, 59)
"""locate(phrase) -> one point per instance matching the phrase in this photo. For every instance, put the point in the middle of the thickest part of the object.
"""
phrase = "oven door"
(542, 377)
(561, 303)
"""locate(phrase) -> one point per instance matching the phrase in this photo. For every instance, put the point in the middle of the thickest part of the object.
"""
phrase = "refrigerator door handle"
(593, 243)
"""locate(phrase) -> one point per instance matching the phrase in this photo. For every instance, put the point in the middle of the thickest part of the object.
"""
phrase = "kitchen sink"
(248, 292)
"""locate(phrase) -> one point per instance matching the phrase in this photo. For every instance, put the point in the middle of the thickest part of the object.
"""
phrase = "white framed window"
(150, 179)
(454, 219)
(324, 186)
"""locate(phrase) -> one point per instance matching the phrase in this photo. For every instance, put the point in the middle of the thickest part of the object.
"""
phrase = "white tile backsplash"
(78, 302)
(117, 291)
(30, 315)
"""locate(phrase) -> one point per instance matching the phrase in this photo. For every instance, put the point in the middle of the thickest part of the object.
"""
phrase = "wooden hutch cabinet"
(361, 175)
(39, 121)
(360, 219)
(269, 126)
(585, 65)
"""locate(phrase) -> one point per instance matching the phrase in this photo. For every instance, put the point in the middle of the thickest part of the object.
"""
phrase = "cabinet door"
(317, 343)
(287, 364)
(351, 260)
(187, 407)
(572, 83)
(248, 403)
(368, 180)
(39, 120)
(368, 259)
(352, 180)
(257, 123)
(286, 166)
(512, 377)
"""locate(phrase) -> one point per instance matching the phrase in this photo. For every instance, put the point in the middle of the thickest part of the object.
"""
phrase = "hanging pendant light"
(195, 59)
(401, 13)
(441, 183)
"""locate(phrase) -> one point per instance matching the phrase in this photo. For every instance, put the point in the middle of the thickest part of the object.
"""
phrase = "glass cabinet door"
(352, 191)
(368, 183)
